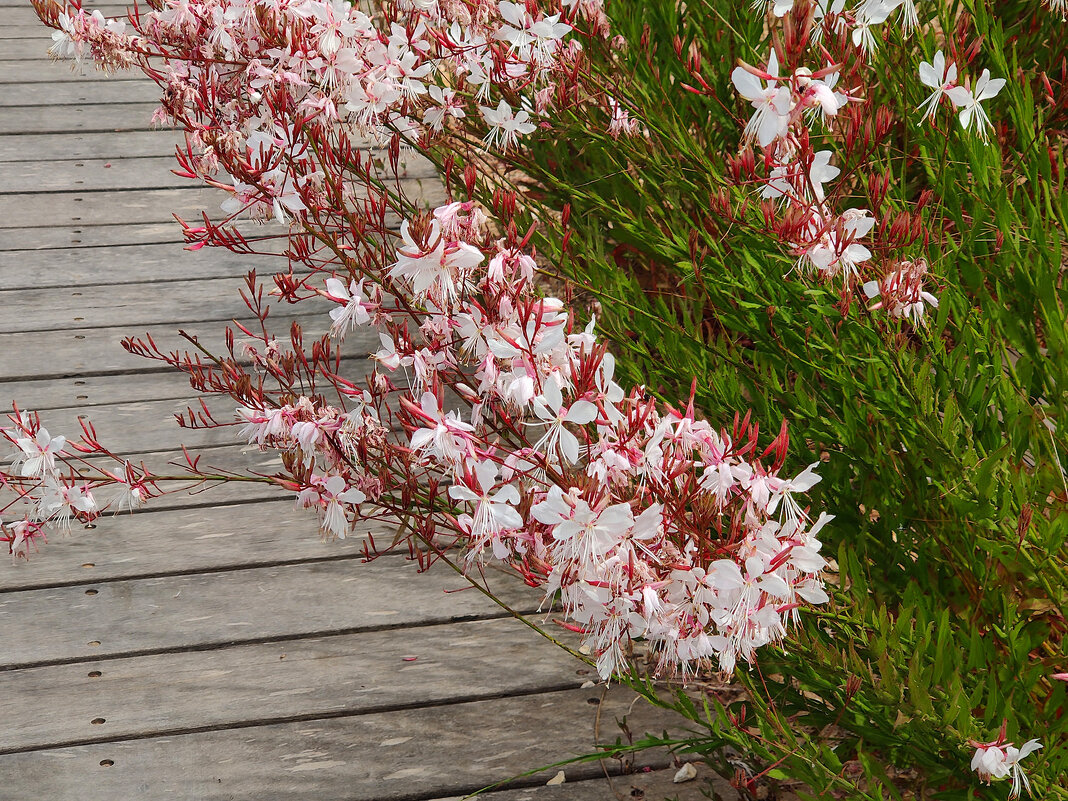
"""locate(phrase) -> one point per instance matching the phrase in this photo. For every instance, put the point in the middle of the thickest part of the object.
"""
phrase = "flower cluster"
(943, 80)
(793, 110)
(232, 66)
(1000, 759)
(649, 522)
(45, 496)
(80, 34)
(491, 421)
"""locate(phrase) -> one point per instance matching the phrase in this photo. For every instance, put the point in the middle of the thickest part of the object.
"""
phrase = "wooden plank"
(76, 93)
(79, 235)
(79, 268)
(128, 173)
(179, 302)
(52, 147)
(180, 541)
(248, 459)
(406, 754)
(26, 210)
(112, 118)
(352, 674)
(96, 351)
(146, 426)
(27, 49)
(651, 785)
(131, 429)
(82, 395)
(73, 93)
(25, 31)
(43, 70)
(208, 610)
(90, 175)
(89, 391)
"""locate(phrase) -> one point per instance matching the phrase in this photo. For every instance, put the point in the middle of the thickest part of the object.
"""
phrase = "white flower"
(494, 512)
(59, 502)
(445, 105)
(770, 120)
(585, 534)
(998, 760)
(505, 126)
(439, 271)
(352, 311)
(334, 494)
(38, 456)
(533, 41)
(833, 256)
(802, 483)
(968, 102)
(938, 77)
(549, 407)
(445, 436)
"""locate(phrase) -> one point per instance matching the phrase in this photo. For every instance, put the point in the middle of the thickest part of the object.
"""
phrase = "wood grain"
(451, 749)
(351, 674)
(205, 610)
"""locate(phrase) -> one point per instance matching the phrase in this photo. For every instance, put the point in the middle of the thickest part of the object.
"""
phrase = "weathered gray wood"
(140, 173)
(147, 206)
(115, 118)
(405, 754)
(80, 235)
(127, 207)
(26, 49)
(89, 391)
(131, 429)
(72, 268)
(96, 351)
(76, 146)
(191, 496)
(353, 674)
(64, 93)
(183, 541)
(146, 426)
(45, 71)
(652, 785)
(26, 31)
(182, 302)
(90, 175)
(204, 610)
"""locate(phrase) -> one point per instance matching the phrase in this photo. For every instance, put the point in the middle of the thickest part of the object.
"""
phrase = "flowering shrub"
(645, 520)
(856, 216)
(809, 232)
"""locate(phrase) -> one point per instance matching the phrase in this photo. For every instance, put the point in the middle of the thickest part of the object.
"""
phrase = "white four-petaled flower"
(968, 100)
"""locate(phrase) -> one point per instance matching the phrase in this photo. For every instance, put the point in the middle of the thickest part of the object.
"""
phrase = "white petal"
(581, 413)
(747, 84)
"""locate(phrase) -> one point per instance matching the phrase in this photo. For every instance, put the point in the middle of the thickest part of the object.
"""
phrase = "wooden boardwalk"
(211, 646)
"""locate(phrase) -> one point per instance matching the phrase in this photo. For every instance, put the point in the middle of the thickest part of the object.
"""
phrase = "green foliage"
(943, 445)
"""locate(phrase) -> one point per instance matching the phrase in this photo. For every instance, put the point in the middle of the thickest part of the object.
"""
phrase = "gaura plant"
(499, 426)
